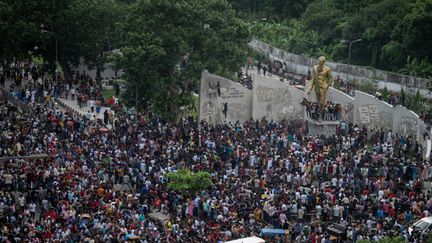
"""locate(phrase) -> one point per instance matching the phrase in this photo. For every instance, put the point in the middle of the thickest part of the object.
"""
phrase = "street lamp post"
(349, 51)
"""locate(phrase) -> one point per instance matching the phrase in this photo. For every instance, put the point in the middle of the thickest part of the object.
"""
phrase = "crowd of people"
(99, 184)
(245, 79)
(33, 83)
(332, 111)
(426, 117)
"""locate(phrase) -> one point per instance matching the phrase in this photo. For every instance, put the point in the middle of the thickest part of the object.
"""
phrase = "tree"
(324, 17)
(417, 30)
(63, 30)
(160, 34)
(92, 32)
(187, 182)
(391, 30)
(375, 24)
(394, 54)
(20, 26)
(414, 67)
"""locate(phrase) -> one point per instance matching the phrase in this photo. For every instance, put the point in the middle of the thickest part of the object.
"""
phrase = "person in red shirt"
(47, 235)
(51, 214)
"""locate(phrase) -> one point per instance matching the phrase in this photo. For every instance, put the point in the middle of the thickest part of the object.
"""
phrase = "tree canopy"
(60, 29)
(189, 183)
(391, 31)
(168, 44)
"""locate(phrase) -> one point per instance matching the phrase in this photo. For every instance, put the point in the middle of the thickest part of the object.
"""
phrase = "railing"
(354, 72)
(14, 100)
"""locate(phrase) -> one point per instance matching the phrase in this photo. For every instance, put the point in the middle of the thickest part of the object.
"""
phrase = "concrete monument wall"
(408, 123)
(372, 113)
(347, 102)
(276, 100)
(237, 97)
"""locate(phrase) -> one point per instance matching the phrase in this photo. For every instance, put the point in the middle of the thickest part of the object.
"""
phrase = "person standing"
(106, 116)
(91, 104)
(72, 93)
(66, 90)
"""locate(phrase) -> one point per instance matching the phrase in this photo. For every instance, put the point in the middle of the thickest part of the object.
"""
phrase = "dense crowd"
(32, 83)
(331, 112)
(100, 184)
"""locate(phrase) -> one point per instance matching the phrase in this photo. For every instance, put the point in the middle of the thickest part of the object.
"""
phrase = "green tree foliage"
(417, 30)
(391, 31)
(393, 55)
(75, 28)
(414, 67)
(160, 34)
(92, 31)
(324, 17)
(272, 9)
(375, 24)
(189, 183)
(20, 25)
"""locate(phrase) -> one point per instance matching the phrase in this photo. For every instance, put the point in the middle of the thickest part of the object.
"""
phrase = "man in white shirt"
(72, 93)
(91, 104)
(32, 209)
(66, 90)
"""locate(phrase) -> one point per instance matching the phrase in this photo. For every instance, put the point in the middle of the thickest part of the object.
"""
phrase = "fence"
(301, 64)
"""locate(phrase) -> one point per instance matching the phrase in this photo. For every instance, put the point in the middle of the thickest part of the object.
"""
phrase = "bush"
(188, 183)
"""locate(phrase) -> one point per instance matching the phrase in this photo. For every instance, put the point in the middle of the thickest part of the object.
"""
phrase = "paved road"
(72, 104)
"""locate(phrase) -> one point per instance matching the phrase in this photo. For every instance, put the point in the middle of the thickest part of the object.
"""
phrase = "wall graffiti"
(222, 100)
(209, 112)
(273, 95)
(288, 112)
(235, 111)
(348, 112)
(374, 118)
(408, 126)
(369, 114)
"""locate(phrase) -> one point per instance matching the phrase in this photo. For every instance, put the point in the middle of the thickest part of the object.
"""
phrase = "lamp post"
(349, 50)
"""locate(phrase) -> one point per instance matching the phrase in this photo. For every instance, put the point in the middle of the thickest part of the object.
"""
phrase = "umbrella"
(131, 237)
(103, 129)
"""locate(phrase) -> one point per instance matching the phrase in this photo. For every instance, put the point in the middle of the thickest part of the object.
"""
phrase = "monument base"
(320, 127)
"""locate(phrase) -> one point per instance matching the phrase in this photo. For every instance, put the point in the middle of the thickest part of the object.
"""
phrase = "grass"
(108, 93)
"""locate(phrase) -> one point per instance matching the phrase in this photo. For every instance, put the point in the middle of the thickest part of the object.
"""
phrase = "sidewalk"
(69, 104)
(73, 104)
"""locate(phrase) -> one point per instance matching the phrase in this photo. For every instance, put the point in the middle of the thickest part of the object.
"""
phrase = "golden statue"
(322, 79)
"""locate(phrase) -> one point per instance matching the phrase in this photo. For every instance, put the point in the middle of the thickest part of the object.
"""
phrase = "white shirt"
(32, 207)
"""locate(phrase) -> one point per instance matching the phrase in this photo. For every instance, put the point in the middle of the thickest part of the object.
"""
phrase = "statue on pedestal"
(322, 79)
